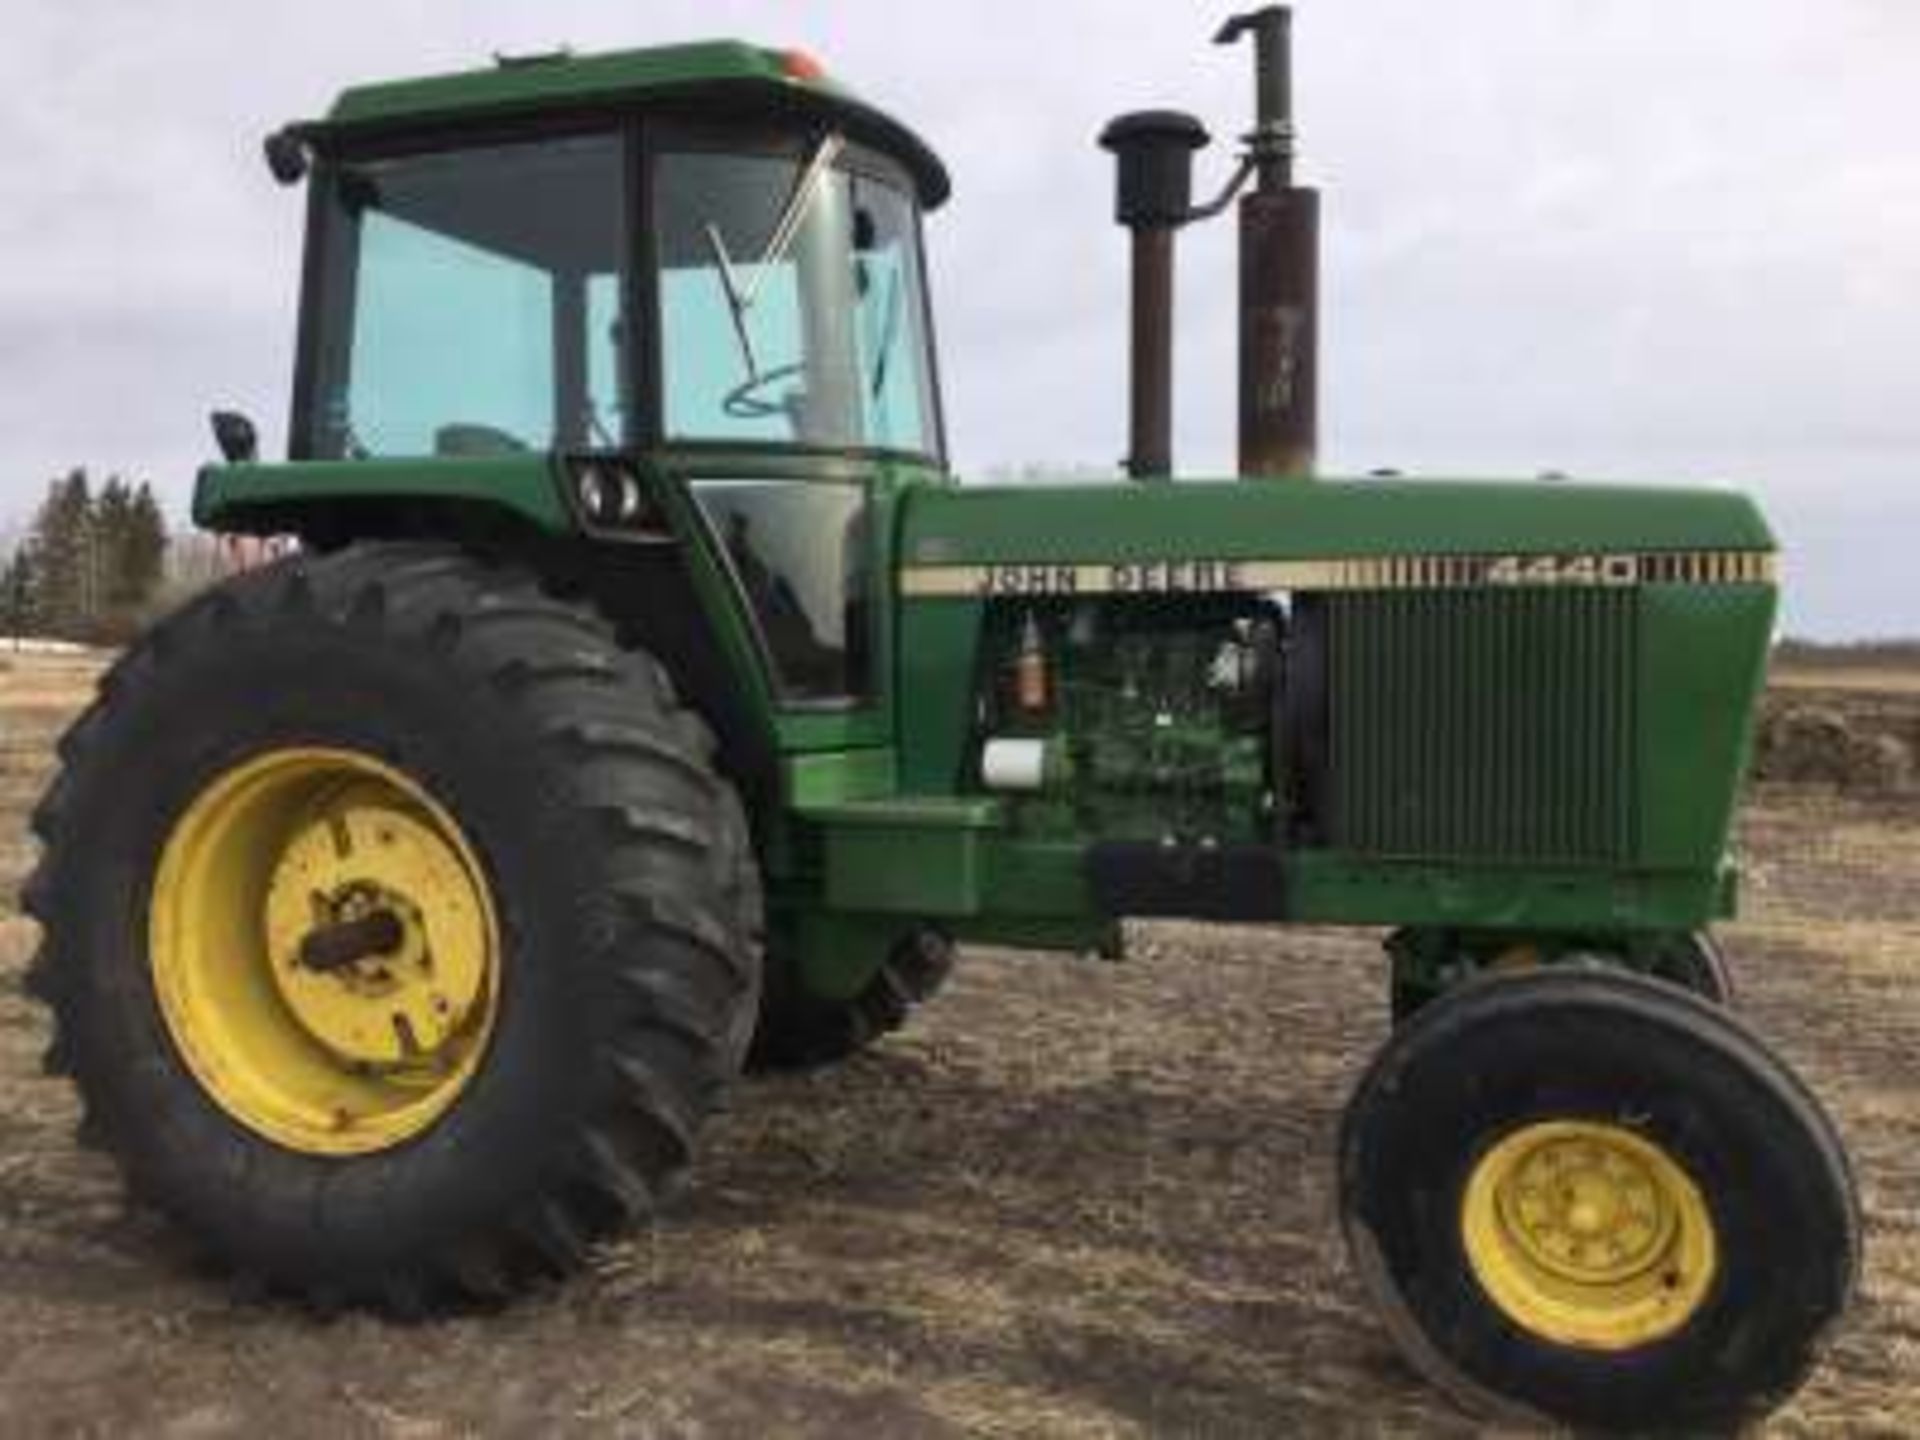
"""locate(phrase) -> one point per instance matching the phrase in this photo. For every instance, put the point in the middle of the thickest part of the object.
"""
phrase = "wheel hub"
(324, 950)
(353, 864)
(1590, 1212)
(1588, 1234)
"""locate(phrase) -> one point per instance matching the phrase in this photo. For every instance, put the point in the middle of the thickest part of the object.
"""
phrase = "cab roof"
(725, 74)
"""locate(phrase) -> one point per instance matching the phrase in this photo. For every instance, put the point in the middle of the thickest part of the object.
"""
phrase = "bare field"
(1877, 679)
(1072, 1199)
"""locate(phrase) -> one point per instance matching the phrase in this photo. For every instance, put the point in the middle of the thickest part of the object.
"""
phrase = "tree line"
(91, 564)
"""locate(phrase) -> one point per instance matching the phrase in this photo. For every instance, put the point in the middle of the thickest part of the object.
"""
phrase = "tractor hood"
(1232, 535)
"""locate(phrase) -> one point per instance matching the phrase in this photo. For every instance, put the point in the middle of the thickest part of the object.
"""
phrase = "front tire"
(1593, 1199)
(399, 933)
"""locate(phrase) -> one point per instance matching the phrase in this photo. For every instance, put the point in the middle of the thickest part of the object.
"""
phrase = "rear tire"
(801, 1031)
(581, 800)
(1592, 1199)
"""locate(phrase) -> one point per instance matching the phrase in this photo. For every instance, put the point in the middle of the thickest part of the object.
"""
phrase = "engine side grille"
(1483, 723)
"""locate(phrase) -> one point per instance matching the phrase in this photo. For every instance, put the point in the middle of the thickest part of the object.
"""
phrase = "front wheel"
(1590, 1198)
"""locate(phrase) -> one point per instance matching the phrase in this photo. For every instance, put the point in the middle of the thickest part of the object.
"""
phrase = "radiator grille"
(1485, 724)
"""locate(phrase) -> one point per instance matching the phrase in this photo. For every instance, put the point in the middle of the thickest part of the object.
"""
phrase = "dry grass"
(1074, 1199)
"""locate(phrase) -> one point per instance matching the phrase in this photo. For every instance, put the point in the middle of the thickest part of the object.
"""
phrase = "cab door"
(794, 392)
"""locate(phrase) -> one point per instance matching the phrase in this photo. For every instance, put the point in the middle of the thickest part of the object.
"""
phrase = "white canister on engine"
(1012, 764)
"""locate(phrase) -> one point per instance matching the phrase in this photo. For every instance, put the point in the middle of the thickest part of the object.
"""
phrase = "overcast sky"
(1650, 239)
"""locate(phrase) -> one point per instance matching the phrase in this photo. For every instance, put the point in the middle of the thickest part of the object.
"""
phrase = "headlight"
(609, 496)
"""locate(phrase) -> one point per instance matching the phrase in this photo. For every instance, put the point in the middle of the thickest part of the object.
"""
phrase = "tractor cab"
(695, 269)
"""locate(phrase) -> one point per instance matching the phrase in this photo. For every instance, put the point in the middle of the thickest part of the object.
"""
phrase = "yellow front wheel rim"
(325, 951)
(1588, 1235)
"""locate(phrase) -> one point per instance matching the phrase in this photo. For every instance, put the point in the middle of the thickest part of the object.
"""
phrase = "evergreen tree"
(92, 563)
(143, 558)
(67, 574)
(20, 593)
(112, 516)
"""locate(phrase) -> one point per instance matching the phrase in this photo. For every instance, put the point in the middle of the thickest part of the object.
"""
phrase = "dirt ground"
(1072, 1199)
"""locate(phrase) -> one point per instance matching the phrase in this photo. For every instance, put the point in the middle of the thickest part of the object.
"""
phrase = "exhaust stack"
(1155, 151)
(1279, 265)
(1279, 268)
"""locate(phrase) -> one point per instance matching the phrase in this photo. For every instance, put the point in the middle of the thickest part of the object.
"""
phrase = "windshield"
(470, 302)
(791, 307)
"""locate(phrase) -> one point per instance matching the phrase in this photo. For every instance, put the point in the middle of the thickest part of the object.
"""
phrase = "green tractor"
(644, 701)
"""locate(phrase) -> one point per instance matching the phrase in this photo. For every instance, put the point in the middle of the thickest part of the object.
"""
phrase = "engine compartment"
(1136, 718)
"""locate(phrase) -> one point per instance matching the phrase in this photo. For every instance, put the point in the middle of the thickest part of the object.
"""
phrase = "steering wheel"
(744, 402)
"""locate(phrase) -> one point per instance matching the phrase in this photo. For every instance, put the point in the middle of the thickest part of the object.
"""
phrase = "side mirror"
(233, 432)
(286, 156)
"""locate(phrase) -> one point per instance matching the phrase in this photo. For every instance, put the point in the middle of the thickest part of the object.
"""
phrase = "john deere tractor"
(641, 698)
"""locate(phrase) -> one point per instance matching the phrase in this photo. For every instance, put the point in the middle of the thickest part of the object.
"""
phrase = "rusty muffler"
(1279, 268)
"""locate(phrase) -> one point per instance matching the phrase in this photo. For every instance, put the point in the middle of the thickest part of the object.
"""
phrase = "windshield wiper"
(737, 303)
(740, 300)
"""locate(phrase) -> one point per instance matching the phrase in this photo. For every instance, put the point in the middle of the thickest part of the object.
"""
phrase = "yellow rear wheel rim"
(325, 950)
(1588, 1235)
